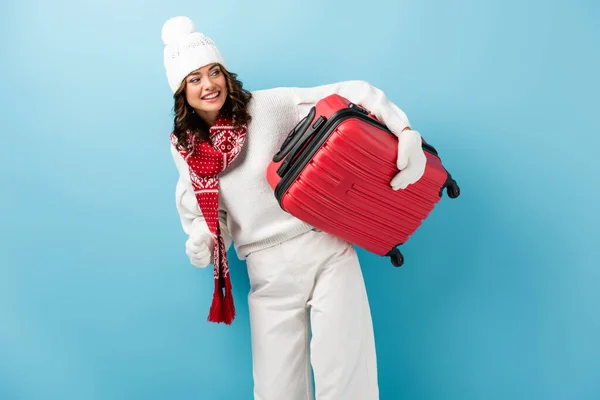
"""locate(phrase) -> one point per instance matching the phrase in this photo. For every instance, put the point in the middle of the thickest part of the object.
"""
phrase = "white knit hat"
(186, 50)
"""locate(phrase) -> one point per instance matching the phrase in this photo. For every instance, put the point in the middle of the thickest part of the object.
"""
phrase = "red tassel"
(228, 307)
(222, 308)
(216, 308)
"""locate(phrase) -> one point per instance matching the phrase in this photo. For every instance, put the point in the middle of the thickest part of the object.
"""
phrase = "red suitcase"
(333, 172)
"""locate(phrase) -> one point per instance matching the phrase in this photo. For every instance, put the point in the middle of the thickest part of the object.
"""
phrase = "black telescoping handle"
(299, 144)
(295, 135)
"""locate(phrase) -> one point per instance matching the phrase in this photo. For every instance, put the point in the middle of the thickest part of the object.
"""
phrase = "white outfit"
(318, 272)
(293, 268)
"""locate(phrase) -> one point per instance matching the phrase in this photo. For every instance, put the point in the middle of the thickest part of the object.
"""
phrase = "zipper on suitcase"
(430, 149)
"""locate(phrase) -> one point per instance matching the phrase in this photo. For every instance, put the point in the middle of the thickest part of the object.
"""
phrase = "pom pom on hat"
(176, 29)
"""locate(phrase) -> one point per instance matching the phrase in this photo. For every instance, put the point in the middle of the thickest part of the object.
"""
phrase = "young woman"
(223, 139)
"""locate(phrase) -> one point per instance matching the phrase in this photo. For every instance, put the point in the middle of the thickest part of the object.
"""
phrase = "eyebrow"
(210, 69)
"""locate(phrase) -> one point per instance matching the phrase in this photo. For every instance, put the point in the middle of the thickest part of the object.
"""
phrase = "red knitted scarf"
(205, 162)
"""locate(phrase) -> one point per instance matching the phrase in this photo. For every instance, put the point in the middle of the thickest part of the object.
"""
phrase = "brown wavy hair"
(186, 119)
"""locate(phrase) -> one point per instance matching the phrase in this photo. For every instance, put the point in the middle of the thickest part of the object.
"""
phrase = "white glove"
(411, 160)
(199, 249)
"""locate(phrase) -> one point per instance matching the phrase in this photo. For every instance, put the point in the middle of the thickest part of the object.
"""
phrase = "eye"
(194, 80)
(215, 72)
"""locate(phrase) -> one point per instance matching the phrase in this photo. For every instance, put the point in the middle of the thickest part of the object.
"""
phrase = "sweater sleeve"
(358, 92)
(192, 220)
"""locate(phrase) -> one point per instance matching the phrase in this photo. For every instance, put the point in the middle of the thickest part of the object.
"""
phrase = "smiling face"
(206, 92)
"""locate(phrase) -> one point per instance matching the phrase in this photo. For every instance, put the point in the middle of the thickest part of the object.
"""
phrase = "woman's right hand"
(199, 251)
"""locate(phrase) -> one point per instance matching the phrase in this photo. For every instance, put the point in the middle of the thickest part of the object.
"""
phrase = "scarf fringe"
(229, 307)
(222, 309)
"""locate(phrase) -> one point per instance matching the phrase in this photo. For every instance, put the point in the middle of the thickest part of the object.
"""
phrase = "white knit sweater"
(248, 210)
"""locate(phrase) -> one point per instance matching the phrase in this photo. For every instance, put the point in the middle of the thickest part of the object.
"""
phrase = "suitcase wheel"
(451, 187)
(453, 190)
(396, 257)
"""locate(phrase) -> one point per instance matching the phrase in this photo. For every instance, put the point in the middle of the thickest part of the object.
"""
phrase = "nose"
(209, 87)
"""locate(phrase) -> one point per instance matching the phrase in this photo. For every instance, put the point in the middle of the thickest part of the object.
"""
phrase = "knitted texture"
(206, 161)
(186, 50)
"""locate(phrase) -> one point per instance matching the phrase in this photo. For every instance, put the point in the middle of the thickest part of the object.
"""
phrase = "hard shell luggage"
(333, 172)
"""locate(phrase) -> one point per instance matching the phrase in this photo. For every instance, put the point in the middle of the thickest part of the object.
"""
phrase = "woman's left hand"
(411, 159)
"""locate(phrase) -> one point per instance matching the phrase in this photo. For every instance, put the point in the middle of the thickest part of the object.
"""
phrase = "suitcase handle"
(294, 135)
(299, 143)
(287, 163)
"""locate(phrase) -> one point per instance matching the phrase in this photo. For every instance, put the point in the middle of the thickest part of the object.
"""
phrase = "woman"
(223, 139)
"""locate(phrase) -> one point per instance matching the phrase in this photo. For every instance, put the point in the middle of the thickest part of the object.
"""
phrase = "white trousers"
(311, 285)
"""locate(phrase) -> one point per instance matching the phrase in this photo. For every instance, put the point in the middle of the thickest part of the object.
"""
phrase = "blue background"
(500, 294)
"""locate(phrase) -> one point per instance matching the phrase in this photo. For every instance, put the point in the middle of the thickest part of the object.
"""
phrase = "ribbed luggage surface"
(346, 187)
